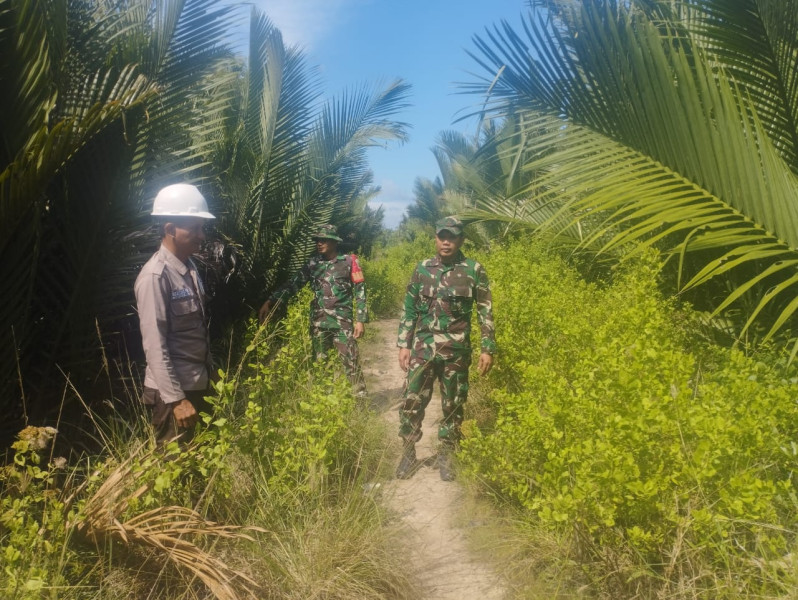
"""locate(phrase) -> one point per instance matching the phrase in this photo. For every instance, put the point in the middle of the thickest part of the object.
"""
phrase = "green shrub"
(33, 519)
(284, 455)
(614, 426)
(388, 273)
(297, 412)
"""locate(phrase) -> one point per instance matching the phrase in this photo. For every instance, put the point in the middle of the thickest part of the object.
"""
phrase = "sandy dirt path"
(426, 505)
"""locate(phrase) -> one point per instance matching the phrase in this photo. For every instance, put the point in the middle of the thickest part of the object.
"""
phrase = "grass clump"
(333, 546)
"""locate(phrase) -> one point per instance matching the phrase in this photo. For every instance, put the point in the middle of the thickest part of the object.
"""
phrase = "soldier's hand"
(485, 363)
(359, 329)
(265, 310)
(185, 414)
(404, 358)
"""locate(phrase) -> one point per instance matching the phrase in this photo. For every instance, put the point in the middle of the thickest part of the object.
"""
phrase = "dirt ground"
(425, 504)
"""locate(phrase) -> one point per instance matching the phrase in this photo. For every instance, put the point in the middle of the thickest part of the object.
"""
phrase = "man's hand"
(359, 329)
(485, 363)
(265, 310)
(185, 414)
(404, 358)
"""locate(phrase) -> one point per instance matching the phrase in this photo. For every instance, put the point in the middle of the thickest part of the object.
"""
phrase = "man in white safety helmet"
(171, 306)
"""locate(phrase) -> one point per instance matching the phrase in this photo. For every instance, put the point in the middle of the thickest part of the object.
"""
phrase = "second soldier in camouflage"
(337, 283)
(435, 341)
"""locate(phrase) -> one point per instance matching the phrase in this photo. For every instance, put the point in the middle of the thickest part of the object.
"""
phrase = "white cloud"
(394, 199)
(307, 22)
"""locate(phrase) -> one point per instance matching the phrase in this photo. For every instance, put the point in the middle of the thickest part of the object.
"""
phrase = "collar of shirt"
(320, 258)
(458, 258)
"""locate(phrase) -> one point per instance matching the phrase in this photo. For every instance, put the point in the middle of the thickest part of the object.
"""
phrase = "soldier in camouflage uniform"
(434, 341)
(336, 280)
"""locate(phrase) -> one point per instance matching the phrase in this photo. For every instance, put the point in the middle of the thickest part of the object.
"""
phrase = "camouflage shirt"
(438, 306)
(336, 283)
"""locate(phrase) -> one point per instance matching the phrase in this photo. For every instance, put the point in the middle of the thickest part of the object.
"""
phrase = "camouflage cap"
(326, 232)
(451, 224)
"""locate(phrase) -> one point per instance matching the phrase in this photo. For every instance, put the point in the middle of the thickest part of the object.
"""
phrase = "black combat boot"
(445, 463)
(408, 462)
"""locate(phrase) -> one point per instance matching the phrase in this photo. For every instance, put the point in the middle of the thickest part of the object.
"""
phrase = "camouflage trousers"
(421, 374)
(343, 341)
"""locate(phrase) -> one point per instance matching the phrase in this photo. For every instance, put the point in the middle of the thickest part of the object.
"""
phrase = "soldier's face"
(447, 244)
(326, 247)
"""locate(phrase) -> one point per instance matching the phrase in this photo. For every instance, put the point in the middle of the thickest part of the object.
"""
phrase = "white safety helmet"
(180, 200)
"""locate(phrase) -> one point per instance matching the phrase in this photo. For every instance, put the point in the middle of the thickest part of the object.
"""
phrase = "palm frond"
(287, 164)
(649, 140)
(84, 146)
(756, 45)
(167, 530)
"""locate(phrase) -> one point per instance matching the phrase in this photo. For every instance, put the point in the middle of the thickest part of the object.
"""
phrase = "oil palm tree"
(360, 227)
(662, 123)
(428, 205)
(487, 173)
(288, 162)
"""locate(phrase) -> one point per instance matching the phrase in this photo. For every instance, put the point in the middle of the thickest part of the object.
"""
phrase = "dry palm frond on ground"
(162, 529)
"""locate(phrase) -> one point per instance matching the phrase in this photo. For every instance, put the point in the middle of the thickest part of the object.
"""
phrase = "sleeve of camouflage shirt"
(286, 291)
(485, 312)
(360, 302)
(407, 323)
(362, 314)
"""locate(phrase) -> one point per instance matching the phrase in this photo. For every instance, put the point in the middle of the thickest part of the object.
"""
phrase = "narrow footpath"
(440, 558)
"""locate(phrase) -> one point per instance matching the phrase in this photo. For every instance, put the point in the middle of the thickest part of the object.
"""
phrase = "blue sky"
(424, 42)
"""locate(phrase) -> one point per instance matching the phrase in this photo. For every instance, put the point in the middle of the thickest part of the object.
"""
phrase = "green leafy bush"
(33, 518)
(297, 413)
(388, 273)
(285, 443)
(614, 425)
